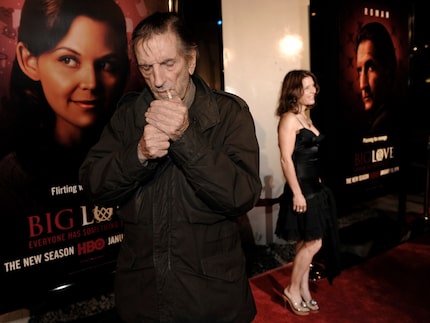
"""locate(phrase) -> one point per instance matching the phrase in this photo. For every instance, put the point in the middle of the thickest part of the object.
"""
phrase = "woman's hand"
(299, 203)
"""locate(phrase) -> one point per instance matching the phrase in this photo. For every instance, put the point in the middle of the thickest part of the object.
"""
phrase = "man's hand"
(169, 116)
(153, 144)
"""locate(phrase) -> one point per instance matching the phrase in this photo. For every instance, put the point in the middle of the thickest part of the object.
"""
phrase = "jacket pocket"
(129, 260)
(126, 257)
(128, 212)
(228, 267)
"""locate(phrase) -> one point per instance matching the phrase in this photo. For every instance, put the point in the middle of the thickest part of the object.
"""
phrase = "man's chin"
(368, 105)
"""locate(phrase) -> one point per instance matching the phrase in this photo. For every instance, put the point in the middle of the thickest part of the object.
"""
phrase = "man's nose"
(158, 76)
(364, 80)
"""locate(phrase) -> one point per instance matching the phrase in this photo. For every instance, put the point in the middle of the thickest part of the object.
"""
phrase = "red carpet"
(391, 287)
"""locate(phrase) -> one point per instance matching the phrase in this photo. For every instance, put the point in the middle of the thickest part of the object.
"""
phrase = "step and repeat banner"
(63, 66)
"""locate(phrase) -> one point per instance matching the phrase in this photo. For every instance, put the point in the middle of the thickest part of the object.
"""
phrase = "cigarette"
(169, 95)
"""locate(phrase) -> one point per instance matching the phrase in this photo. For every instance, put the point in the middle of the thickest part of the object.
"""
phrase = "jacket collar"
(204, 109)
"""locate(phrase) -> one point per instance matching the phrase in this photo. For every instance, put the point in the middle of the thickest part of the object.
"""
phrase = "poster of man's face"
(376, 68)
(373, 64)
(366, 98)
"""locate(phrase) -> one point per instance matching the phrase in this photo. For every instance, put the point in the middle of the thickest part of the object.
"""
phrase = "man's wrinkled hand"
(169, 116)
(153, 144)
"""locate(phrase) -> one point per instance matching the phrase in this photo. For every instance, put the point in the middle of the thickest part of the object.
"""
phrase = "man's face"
(162, 65)
(371, 77)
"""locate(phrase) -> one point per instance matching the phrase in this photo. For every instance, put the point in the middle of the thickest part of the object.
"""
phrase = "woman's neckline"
(310, 130)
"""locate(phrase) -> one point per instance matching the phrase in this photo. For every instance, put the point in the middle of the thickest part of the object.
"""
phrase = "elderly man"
(181, 161)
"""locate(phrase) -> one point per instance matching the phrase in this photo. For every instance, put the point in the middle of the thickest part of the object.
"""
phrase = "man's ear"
(192, 62)
(27, 62)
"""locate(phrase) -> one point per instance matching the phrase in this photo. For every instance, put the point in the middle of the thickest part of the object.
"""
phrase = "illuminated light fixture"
(171, 6)
(61, 287)
(291, 45)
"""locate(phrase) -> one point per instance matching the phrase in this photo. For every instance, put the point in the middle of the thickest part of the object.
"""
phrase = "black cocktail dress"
(320, 219)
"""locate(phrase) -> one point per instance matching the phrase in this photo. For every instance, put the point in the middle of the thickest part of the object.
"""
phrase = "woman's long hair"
(292, 90)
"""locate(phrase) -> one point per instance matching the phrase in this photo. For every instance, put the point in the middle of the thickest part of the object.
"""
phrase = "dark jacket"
(181, 258)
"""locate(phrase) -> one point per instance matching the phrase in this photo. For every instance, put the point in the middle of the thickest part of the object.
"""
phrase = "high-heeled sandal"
(312, 305)
(297, 308)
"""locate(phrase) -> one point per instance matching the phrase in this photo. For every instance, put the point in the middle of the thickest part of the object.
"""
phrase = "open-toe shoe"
(297, 308)
(312, 305)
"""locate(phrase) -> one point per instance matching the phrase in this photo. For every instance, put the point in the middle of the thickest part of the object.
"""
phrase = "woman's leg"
(313, 247)
(299, 283)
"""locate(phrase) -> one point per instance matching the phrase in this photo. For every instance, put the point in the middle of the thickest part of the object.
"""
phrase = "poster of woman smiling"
(64, 66)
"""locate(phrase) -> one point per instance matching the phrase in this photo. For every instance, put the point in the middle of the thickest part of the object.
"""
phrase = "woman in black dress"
(307, 212)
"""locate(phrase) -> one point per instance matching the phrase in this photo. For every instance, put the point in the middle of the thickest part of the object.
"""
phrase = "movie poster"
(63, 68)
(373, 80)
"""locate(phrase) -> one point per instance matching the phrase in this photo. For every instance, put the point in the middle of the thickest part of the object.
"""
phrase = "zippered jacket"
(181, 258)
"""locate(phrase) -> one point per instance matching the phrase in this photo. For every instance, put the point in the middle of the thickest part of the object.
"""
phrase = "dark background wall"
(204, 18)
